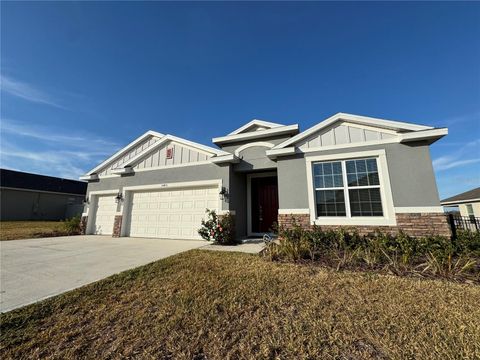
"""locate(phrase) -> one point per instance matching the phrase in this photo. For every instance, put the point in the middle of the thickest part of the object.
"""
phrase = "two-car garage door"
(170, 213)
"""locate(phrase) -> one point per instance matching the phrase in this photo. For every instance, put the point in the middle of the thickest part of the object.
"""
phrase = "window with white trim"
(347, 188)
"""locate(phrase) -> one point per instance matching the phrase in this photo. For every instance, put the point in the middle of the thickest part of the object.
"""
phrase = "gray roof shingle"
(22, 180)
(465, 196)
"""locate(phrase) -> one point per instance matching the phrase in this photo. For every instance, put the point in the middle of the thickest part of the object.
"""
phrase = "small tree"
(219, 229)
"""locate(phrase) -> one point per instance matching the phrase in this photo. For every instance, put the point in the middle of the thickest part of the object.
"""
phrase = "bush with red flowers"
(218, 229)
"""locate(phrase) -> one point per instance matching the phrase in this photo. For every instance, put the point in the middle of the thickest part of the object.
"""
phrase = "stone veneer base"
(117, 226)
(412, 224)
(83, 225)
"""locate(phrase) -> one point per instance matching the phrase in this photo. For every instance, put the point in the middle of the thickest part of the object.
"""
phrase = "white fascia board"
(124, 170)
(205, 148)
(378, 123)
(256, 134)
(89, 177)
(273, 153)
(225, 158)
(447, 203)
(294, 211)
(423, 135)
(255, 122)
(125, 149)
(394, 125)
(418, 209)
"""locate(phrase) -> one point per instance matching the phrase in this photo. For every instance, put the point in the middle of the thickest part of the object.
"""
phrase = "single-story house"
(347, 170)
(467, 202)
(25, 196)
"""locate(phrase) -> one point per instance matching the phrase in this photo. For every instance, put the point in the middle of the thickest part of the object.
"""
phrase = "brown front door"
(264, 203)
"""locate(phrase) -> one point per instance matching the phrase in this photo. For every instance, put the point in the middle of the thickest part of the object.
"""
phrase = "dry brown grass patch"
(14, 230)
(217, 305)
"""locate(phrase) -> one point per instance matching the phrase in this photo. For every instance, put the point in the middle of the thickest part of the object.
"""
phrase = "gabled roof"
(28, 181)
(202, 148)
(255, 123)
(124, 150)
(258, 134)
(467, 196)
(397, 126)
(162, 139)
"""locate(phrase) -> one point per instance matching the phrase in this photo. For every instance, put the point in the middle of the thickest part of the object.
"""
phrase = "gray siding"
(34, 205)
(238, 202)
(162, 176)
(231, 147)
(292, 182)
(410, 168)
(254, 158)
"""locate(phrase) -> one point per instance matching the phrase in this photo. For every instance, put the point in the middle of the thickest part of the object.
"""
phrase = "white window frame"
(388, 218)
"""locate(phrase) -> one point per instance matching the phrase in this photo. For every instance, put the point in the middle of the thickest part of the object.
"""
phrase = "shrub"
(295, 243)
(219, 229)
(399, 254)
(468, 241)
(72, 225)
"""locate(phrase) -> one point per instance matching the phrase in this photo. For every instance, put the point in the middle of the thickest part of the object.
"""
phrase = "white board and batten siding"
(181, 155)
(104, 215)
(118, 163)
(343, 134)
(171, 214)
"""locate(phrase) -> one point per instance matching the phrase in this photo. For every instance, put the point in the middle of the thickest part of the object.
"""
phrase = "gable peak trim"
(258, 122)
(396, 126)
(125, 149)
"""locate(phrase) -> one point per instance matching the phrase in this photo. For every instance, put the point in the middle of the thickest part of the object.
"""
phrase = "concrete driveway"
(34, 269)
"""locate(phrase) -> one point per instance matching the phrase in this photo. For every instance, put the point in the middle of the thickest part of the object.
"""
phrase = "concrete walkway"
(250, 246)
(35, 269)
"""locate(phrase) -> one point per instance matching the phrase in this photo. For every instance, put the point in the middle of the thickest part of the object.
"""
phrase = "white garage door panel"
(173, 214)
(104, 215)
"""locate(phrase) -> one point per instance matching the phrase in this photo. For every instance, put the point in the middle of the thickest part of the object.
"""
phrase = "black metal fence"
(458, 222)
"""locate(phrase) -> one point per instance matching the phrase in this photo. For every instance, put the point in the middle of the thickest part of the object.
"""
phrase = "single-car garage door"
(171, 214)
(104, 215)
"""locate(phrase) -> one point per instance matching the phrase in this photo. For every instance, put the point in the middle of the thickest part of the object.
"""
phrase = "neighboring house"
(25, 196)
(347, 170)
(467, 202)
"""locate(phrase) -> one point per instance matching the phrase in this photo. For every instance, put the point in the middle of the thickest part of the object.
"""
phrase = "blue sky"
(80, 80)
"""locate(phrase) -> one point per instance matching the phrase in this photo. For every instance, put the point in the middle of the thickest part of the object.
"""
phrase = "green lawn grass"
(14, 230)
(218, 305)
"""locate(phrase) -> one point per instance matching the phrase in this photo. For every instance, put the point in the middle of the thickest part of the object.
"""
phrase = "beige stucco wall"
(476, 209)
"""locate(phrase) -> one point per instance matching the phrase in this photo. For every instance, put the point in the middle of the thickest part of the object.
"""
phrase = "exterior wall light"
(86, 201)
(119, 198)
(223, 193)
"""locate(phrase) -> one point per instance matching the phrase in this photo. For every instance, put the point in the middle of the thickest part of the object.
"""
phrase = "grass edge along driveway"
(217, 305)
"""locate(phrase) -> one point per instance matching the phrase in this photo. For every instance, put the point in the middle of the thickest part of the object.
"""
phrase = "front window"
(469, 209)
(348, 188)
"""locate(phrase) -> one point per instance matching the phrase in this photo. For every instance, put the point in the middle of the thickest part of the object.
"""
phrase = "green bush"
(399, 254)
(468, 241)
(219, 229)
(72, 225)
